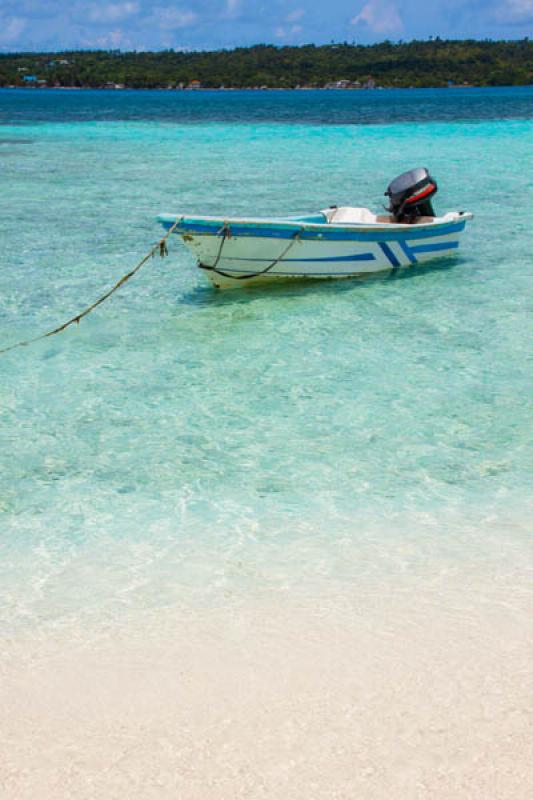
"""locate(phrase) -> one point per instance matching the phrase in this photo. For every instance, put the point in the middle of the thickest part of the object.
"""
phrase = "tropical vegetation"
(417, 63)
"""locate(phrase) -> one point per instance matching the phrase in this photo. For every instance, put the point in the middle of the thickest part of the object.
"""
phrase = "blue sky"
(206, 24)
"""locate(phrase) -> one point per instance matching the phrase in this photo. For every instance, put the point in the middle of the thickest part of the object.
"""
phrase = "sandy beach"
(342, 695)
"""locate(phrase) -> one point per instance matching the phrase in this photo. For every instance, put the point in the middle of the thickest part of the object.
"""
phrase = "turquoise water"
(183, 443)
(279, 106)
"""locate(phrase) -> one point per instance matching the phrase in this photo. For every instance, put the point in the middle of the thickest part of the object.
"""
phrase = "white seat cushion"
(348, 215)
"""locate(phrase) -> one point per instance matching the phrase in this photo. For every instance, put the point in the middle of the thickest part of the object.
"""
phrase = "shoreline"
(259, 89)
(396, 678)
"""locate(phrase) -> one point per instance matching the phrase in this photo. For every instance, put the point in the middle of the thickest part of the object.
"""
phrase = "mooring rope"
(226, 233)
(160, 247)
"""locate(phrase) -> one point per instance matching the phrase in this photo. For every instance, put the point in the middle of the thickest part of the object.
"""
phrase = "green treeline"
(418, 63)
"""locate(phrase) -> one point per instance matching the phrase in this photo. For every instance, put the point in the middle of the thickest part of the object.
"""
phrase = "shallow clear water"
(177, 414)
(182, 446)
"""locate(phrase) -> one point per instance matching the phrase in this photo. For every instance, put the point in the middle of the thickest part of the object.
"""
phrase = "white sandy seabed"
(417, 688)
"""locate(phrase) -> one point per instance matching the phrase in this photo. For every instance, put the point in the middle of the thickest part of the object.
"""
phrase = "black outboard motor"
(410, 195)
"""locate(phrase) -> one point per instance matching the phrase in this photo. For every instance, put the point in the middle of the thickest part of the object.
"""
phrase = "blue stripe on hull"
(433, 248)
(408, 252)
(276, 274)
(355, 257)
(390, 255)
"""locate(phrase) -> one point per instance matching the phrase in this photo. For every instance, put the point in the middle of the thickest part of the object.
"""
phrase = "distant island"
(434, 63)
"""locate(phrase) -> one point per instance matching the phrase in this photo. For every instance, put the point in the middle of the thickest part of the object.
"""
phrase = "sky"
(212, 24)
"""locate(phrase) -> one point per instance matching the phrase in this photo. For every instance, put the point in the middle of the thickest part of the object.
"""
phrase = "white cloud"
(116, 38)
(287, 32)
(112, 12)
(111, 39)
(174, 18)
(232, 7)
(295, 15)
(516, 11)
(11, 28)
(381, 16)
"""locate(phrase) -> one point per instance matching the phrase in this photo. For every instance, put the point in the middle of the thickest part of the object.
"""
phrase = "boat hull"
(237, 253)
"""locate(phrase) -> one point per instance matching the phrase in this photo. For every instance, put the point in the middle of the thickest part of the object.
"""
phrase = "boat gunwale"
(262, 228)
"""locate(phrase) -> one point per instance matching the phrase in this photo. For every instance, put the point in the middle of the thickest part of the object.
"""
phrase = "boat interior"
(348, 215)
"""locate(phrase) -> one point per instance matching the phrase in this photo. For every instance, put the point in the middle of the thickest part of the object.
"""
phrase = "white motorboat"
(338, 242)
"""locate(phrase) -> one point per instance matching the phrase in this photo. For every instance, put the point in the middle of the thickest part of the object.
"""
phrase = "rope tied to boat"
(160, 247)
(225, 233)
